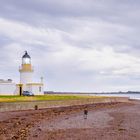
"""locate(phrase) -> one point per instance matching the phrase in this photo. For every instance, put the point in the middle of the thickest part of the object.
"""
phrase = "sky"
(76, 45)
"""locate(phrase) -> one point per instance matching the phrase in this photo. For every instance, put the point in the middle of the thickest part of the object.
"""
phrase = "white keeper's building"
(7, 87)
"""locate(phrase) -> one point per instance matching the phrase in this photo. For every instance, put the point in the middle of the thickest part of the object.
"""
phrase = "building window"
(39, 89)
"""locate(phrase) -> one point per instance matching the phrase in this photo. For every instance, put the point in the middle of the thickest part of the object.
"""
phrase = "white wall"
(7, 89)
(35, 89)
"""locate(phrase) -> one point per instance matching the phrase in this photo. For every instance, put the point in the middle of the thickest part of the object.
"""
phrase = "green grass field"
(43, 98)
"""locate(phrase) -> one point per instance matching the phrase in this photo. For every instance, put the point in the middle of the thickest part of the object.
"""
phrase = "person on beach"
(85, 113)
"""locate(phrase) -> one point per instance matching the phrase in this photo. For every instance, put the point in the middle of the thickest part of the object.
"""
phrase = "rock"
(35, 135)
(39, 129)
(15, 137)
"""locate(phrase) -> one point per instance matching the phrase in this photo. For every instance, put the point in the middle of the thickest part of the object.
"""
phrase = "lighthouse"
(26, 74)
(26, 71)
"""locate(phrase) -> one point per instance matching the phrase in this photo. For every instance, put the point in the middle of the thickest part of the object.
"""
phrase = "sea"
(131, 96)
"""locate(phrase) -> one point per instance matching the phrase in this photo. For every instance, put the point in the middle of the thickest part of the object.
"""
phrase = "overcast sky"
(76, 45)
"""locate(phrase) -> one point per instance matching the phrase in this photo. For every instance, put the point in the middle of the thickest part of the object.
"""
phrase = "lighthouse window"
(39, 89)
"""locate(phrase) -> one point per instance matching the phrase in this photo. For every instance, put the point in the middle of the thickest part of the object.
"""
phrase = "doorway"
(20, 90)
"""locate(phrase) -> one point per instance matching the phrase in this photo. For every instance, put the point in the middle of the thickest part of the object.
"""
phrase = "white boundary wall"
(8, 89)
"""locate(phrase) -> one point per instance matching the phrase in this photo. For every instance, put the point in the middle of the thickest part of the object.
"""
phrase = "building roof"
(35, 84)
(26, 55)
(6, 81)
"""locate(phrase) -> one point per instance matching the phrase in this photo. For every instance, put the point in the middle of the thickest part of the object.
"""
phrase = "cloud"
(74, 45)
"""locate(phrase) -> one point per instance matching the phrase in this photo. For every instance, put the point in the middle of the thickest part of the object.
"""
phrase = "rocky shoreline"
(105, 121)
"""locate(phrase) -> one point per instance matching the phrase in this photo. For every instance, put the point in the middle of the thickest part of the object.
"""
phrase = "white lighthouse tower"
(26, 75)
(26, 71)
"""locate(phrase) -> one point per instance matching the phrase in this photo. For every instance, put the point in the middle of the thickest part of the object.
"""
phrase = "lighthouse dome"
(26, 59)
(26, 55)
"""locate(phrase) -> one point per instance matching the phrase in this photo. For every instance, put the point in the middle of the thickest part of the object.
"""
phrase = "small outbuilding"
(7, 87)
(36, 88)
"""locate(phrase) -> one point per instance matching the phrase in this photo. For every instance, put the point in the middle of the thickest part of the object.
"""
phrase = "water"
(131, 96)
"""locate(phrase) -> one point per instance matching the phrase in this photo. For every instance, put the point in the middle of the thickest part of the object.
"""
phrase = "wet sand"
(108, 121)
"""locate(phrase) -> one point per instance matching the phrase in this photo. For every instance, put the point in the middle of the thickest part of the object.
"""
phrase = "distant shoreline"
(51, 92)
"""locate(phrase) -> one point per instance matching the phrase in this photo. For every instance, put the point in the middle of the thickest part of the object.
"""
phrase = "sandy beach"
(105, 121)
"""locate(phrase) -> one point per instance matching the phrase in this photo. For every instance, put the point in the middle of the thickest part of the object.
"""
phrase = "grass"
(43, 98)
